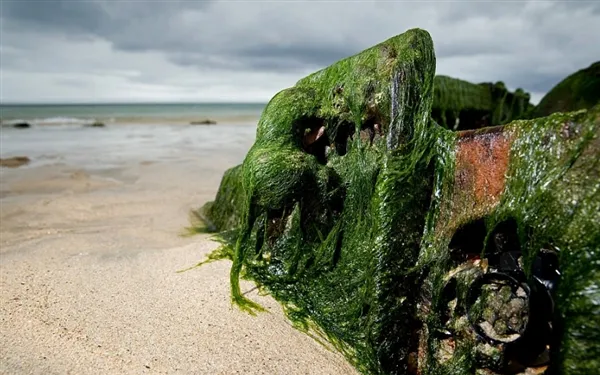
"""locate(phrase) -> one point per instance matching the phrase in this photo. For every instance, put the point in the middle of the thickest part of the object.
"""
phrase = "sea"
(58, 134)
(146, 113)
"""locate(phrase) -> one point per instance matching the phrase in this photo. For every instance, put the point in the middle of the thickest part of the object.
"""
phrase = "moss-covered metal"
(549, 186)
(225, 211)
(460, 105)
(354, 233)
(580, 90)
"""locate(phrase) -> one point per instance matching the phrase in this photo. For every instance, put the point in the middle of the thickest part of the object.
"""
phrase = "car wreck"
(413, 248)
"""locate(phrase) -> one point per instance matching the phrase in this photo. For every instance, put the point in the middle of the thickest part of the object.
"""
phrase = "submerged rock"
(96, 124)
(580, 90)
(461, 105)
(14, 162)
(203, 122)
(414, 248)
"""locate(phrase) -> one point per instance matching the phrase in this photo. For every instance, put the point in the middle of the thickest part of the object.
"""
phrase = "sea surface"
(115, 146)
(133, 134)
(151, 113)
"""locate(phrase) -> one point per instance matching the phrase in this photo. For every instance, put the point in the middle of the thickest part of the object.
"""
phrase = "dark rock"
(21, 125)
(97, 124)
(14, 162)
(204, 122)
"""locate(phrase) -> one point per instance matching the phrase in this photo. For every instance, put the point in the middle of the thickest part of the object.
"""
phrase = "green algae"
(224, 212)
(580, 90)
(552, 191)
(353, 236)
(460, 105)
(307, 228)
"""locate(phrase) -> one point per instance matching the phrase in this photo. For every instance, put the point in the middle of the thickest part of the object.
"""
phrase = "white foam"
(50, 121)
(62, 121)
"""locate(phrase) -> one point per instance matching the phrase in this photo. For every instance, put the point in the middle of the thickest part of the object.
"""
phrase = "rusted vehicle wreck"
(412, 248)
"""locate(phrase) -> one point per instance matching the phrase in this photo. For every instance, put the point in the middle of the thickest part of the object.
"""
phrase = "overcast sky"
(119, 51)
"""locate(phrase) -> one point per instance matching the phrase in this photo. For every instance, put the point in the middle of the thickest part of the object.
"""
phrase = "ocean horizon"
(127, 113)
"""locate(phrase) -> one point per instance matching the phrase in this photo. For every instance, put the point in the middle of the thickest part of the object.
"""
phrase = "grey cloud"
(129, 25)
(533, 81)
(160, 26)
(72, 82)
(62, 16)
(527, 44)
(290, 57)
(94, 16)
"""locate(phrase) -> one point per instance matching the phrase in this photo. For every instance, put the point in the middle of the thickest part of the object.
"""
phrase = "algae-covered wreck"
(580, 90)
(461, 105)
(413, 248)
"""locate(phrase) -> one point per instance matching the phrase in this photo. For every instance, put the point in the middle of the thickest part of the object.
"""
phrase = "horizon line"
(16, 103)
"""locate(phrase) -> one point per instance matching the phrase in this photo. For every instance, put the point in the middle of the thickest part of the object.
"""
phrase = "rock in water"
(21, 125)
(14, 162)
(580, 90)
(414, 248)
(203, 122)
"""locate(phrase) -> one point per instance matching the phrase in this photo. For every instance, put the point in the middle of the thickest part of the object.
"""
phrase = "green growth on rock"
(553, 193)
(580, 90)
(546, 220)
(345, 209)
(461, 105)
(225, 211)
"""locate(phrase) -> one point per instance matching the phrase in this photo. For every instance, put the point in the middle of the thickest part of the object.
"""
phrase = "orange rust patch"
(482, 158)
(481, 164)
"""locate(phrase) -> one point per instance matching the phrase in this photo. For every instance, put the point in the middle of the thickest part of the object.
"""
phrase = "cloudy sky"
(122, 51)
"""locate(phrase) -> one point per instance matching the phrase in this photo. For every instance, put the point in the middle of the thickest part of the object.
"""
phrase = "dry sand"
(89, 285)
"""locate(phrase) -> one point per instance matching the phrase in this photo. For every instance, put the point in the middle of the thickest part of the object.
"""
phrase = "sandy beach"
(90, 247)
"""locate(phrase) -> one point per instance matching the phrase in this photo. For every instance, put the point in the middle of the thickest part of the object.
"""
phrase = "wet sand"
(89, 249)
